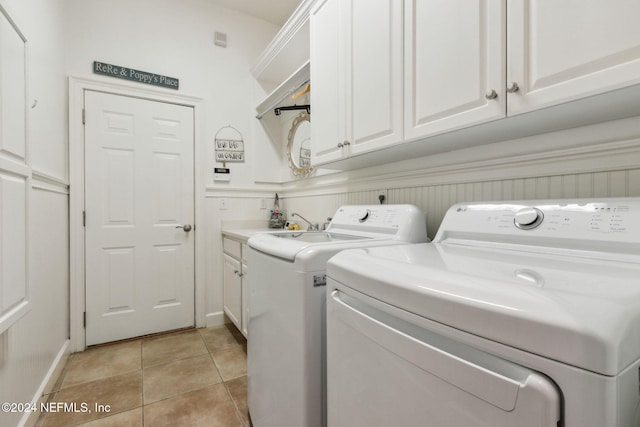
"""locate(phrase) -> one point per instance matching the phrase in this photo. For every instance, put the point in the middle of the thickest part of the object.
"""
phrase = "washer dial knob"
(528, 218)
(364, 216)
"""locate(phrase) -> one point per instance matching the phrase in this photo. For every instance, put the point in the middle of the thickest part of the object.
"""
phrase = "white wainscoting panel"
(13, 249)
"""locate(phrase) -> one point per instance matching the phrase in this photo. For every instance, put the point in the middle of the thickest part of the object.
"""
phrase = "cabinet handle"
(346, 143)
(340, 144)
(512, 87)
(491, 95)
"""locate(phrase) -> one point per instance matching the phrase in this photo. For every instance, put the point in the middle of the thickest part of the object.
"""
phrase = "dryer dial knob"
(527, 218)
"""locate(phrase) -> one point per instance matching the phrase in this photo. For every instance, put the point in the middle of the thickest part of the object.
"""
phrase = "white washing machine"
(518, 314)
(285, 360)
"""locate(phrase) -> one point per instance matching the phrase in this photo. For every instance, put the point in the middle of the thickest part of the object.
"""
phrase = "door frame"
(77, 87)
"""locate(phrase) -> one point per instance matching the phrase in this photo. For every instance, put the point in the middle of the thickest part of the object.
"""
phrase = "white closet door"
(139, 190)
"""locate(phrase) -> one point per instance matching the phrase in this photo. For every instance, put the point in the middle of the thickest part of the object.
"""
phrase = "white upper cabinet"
(374, 74)
(327, 126)
(356, 75)
(562, 51)
(468, 62)
(440, 66)
(454, 64)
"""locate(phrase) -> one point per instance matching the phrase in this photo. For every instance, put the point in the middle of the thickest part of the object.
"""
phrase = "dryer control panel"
(561, 223)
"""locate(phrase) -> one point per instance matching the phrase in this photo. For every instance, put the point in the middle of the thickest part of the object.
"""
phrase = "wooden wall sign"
(135, 75)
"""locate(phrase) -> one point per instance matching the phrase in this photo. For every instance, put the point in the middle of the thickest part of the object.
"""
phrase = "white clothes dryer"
(286, 336)
(518, 314)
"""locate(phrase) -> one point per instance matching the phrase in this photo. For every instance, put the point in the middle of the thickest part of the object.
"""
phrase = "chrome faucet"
(326, 224)
(312, 227)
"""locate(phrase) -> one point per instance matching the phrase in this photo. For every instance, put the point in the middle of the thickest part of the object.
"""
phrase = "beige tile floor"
(190, 378)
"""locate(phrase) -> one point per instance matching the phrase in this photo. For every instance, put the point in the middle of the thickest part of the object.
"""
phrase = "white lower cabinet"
(235, 270)
(245, 298)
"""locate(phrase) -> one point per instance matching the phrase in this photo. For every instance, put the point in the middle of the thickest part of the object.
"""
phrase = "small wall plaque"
(135, 75)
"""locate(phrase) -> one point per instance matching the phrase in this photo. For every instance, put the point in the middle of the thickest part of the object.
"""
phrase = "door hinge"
(84, 319)
(84, 118)
(84, 218)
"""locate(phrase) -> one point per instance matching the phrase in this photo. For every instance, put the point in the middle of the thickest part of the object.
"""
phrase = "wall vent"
(220, 39)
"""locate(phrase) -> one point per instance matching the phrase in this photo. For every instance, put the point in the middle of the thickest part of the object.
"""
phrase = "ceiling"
(274, 11)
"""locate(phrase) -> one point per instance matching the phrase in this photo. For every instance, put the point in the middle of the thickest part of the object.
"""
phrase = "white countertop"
(244, 234)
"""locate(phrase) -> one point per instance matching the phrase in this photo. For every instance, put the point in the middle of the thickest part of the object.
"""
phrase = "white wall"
(31, 349)
(175, 38)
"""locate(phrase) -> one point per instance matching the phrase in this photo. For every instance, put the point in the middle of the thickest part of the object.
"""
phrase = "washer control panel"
(402, 222)
(614, 219)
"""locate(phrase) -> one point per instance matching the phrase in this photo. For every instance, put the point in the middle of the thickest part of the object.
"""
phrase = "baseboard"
(215, 319)
(49, 381)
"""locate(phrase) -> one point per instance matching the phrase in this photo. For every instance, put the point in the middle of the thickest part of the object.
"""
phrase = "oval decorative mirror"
(299, 145)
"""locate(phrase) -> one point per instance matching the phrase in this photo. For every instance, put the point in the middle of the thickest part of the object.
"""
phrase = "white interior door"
(139, 190)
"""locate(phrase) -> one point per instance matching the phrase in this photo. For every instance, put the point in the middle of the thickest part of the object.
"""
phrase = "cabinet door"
(374, 74)
(245, 300)
(327, 82)
(232, 299)
(454, 59)
(561, 51)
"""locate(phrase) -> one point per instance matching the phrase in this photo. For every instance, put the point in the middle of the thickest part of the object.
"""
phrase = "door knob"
(186, 227)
